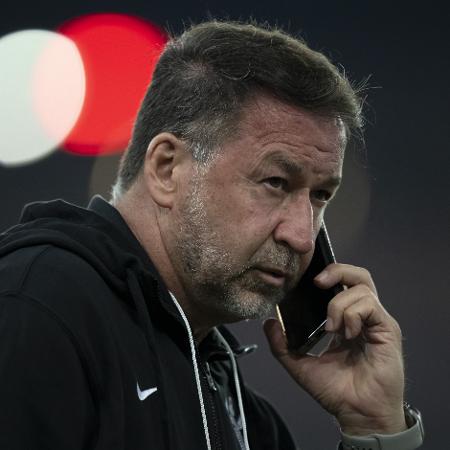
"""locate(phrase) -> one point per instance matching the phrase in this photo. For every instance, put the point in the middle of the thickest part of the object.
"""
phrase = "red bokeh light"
(119, 54)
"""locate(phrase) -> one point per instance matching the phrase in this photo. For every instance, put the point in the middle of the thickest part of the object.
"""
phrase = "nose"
(295, 227)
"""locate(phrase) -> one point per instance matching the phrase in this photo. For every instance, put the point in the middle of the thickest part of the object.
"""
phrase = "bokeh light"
(42, 87)
(119, 53)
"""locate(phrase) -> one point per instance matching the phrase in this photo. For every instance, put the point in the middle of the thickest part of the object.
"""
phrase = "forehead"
(270, 130)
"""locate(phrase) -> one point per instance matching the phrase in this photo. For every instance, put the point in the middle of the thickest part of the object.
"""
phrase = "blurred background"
(71, 78)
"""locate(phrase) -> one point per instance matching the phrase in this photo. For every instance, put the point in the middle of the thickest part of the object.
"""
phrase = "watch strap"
(409, 439)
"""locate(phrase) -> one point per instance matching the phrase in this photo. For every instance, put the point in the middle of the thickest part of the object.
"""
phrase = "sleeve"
(44, 392)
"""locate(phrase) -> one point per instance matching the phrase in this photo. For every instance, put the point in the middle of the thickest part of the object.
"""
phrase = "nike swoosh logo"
(145, 393)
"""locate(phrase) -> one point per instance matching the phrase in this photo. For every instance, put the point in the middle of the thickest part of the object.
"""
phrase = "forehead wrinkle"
(268, 120)
(288, 165)
(320, 142)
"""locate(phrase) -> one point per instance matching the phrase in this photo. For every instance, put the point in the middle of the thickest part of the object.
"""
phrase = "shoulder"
(49, 274)
(31, 266)
(35, 321)
(58, 298)
(61, 284)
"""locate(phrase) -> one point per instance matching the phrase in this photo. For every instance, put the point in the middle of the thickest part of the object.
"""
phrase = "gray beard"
(212, 281)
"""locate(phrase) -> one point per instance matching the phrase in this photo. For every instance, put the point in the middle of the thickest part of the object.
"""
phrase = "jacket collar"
(211, 347)
(100, 206)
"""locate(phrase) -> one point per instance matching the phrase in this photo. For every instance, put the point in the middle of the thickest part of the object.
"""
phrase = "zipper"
(210, 388)
(209, 377)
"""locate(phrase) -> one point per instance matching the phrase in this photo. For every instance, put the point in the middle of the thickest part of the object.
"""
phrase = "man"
(112, 318)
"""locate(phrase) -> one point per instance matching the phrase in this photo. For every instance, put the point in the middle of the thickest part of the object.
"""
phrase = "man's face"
(248, 222)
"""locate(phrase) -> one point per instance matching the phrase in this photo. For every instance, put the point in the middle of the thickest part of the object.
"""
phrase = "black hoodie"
(94, 353)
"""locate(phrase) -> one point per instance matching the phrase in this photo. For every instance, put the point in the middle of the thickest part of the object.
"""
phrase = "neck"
(142, 216)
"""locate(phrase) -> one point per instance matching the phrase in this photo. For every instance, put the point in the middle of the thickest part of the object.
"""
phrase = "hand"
(360, 378)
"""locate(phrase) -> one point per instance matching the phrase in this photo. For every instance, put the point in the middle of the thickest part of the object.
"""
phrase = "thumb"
(275, 337)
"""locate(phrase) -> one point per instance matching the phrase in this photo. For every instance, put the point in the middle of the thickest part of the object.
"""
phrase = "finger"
(365, 312)
(275, 336)
(345, 274)
(342, 301)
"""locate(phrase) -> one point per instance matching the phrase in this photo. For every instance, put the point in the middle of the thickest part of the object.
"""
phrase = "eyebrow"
(289, 166)
(293, 168)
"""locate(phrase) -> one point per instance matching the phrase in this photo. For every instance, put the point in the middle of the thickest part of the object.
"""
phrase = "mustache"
(279, 256)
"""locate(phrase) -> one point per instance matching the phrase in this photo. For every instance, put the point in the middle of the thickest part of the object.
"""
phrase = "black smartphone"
(303, 311)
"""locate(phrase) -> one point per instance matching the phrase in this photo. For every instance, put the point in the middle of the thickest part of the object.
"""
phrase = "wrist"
(360, 425)
(409, 439)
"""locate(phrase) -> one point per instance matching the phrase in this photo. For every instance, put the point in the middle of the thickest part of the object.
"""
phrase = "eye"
(322, 196)
(276, 183)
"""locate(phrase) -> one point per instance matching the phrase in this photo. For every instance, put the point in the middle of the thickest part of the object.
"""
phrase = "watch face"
(413, 416)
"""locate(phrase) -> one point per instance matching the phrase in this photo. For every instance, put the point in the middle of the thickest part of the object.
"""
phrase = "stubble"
(212, 277)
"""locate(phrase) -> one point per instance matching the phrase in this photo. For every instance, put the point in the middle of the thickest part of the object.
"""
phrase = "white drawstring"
(238, 388)
(197, 376)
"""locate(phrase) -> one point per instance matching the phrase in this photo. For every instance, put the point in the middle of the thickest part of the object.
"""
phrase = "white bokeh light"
(42, 90)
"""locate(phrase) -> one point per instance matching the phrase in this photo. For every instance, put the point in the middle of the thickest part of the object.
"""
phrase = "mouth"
(272, 275)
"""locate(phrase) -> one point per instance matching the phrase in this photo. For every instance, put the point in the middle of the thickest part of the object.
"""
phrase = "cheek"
(242, 206)
(246, 225)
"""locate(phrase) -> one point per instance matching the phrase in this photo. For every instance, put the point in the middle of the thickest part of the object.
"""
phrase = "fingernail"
(329, 326)
(321, 277)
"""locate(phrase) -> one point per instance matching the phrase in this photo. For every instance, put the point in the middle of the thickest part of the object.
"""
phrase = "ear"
(165, 165)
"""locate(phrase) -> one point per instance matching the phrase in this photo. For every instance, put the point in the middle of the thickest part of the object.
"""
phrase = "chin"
(250, 306)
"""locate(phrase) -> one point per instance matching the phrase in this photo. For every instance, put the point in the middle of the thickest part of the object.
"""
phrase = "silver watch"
(409, 439)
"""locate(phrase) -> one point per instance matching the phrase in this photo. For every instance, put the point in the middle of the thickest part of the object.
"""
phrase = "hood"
(84, 232)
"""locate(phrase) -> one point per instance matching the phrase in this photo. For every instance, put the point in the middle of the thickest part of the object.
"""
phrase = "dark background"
(392, 213)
